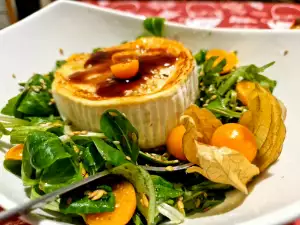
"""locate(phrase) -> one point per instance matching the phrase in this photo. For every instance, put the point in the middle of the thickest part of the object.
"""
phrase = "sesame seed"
(180, 206)
(51, 101)
(197, 203)
(169, 168)
(204, 105)
(13, 75)
(213, 97)
(69, 201)
(128, 158)
(61, 51)
(144, 201)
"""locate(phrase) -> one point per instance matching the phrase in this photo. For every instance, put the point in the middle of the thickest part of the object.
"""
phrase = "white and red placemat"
(213, 14)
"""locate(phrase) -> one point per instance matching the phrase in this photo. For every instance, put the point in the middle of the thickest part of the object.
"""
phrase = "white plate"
(32, 45)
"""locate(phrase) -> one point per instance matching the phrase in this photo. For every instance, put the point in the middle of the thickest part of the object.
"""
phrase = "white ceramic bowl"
(32, 45)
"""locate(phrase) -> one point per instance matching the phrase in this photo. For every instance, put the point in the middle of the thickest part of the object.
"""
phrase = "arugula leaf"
(59, 63)
(96, 50)
(250, 72)
(109, 154)
(136, 219)
(117, 127)
(92, 160)
(217, 107)
(144, 186)
(200, 56)
(154, 25)
(77, 202)
(165, 190)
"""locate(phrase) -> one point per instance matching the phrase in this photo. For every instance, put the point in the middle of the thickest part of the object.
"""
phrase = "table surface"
(247, 15)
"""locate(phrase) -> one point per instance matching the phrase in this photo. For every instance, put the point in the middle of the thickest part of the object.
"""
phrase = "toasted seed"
(51, 101)
(133, 137)
(213, 97)
(197, 203)
(113, 114)
(97, 194)
(144, 200)
(83, 171)
(14, 75)
(61, 51)
(69, 200)
(128, 158)
(180, 206)
(169, 168)
(76, 149)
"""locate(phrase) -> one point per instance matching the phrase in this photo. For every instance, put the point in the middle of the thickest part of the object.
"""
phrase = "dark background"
(26, 7)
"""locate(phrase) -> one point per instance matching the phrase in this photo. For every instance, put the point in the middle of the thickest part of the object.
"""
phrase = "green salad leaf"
(117, 127)
(154, 25)
(44, 149)
(217, 92)
(165, 190)
(78, 202)
(110, 154)
(144, 187)
(51, 124)
(92, 160)
(35, 99)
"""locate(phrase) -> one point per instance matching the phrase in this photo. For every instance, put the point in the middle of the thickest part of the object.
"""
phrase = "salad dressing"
(98, 73)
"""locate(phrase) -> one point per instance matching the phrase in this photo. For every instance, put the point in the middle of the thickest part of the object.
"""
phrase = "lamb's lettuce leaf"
(77, 202)
(117, 127)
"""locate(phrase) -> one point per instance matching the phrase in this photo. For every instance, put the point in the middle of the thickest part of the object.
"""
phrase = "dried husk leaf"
(272, 147)
(224, 165)
(206, 122)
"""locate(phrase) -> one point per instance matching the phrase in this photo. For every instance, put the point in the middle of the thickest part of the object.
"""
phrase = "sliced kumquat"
(231, 59)
(125, 70)
(15, 153)
(124, 209)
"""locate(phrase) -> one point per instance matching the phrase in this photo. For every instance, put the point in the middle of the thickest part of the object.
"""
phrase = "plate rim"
(282, 215)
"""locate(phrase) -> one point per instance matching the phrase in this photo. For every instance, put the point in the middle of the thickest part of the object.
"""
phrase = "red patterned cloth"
(209, 15)
(213, 14)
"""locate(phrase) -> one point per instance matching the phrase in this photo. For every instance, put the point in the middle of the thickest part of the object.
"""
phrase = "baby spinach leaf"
(108, 153)
(44, 149)
(117, 127)
(165, 190)
(77, 202)
(154, 25)
(92, 160)
(13, 166)
(144, 187)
